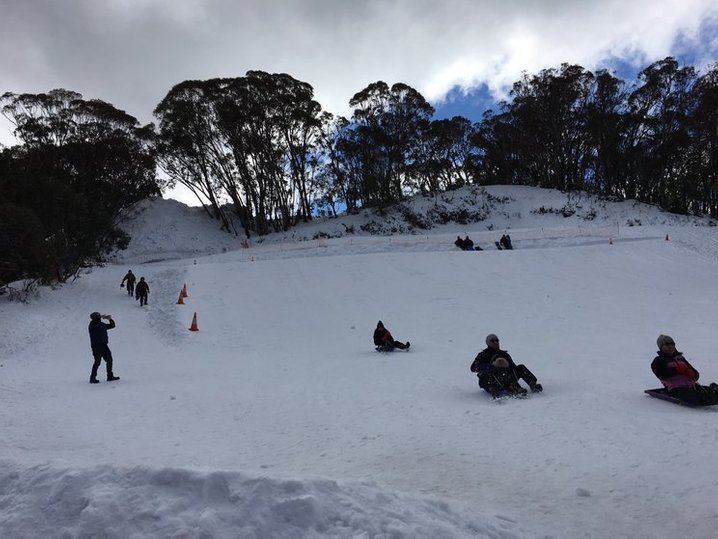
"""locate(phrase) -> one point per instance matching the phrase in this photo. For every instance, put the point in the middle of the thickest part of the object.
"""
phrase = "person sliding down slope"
(384, 341)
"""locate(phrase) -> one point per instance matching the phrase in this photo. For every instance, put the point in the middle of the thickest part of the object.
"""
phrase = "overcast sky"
(131, 52)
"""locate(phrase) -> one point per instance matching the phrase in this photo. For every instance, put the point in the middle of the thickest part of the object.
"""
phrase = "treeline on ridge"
(260, 154)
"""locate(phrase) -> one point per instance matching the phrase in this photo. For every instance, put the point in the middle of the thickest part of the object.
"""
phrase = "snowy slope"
(277, 418)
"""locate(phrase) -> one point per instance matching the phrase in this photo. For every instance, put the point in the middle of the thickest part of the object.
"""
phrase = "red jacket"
(673, 370)
(382, 336)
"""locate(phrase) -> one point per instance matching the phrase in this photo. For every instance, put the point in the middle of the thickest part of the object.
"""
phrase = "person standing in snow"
(141, 291)
(384, 341)
(98, 343)
(679, 377)
(497, 371)
(130, 279)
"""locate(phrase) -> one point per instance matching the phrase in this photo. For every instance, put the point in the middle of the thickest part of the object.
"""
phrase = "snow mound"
(138, 502)
(167, 229)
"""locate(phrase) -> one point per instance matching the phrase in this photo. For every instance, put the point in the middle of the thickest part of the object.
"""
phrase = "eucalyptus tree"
(660, 135)
(273, 126)
(190, 147)
(442, 158)
(607, 126)
(498, 159)
(82, 165)
(248, 140)
(702, 170)
(340, 173)
(389, 125)
(548, 111)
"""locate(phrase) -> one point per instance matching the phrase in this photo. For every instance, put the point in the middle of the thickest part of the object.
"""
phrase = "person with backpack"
(98, 343)
(130, 279)
(141, 291)
(679, 377)
(384, 341)
(498, 373)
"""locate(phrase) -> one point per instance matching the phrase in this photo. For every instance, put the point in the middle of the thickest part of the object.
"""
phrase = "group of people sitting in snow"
(504, 243)
(499, 375)
(466, 244)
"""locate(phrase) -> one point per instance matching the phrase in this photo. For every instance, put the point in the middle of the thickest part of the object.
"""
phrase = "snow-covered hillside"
(278, 419)
(167, 229)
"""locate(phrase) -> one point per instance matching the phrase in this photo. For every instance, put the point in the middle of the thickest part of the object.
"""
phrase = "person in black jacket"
(679, 377)
(466, 244)
(384, 341)
(98, 343)
(130, 279)
(141, 291)
(497, 371)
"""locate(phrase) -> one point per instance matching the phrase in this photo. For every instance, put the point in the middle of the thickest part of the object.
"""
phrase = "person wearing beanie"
(384, 341)
(498, 373)
(98, 343)
(679, 377)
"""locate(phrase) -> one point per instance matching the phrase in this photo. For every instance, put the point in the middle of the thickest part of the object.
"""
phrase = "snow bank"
(167, 229)
(110, 502)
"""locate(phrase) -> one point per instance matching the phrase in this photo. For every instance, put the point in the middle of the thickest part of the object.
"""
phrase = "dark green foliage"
(82, 164)
(569, 129)
(415, 219)
(385, 141)
(565, 211)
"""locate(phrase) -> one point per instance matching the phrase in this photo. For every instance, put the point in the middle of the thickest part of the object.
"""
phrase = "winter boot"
(536, 387)
(94, 381)
(495, 392)
(517, 391)
(112, 378)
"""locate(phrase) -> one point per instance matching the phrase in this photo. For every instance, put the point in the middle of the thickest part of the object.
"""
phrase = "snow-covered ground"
(278, 419)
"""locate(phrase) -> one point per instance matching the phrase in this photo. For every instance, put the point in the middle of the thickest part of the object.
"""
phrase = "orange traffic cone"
(184, 291)
(194, 327)
(668, 238)
(180, 300)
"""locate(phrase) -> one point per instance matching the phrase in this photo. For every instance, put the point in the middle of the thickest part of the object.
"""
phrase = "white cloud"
(131, 52)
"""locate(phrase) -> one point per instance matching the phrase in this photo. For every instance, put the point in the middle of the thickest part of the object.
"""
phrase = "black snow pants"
(487, 379)
(101, 352)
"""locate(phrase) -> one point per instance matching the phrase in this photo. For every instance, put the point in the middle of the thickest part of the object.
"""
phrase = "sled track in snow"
(162, 316)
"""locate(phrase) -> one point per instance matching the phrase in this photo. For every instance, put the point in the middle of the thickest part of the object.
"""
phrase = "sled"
(389, 349)
(662, 393)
